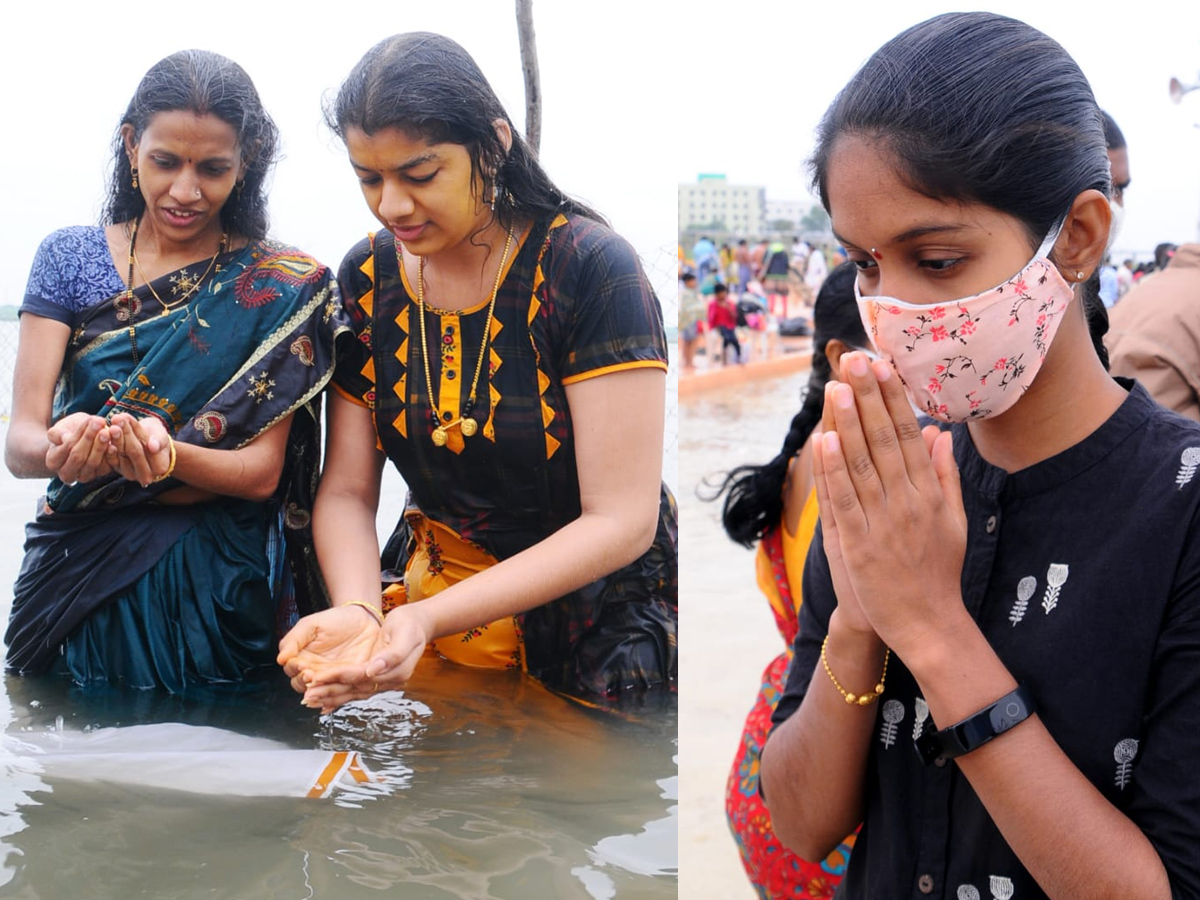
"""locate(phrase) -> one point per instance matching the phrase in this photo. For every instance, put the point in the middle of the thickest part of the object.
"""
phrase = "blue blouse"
(71, 271)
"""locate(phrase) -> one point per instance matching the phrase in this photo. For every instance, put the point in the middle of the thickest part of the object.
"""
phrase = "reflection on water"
(477, 785)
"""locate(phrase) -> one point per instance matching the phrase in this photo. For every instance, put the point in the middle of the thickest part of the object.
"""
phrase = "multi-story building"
(714, 204)
(790, 211)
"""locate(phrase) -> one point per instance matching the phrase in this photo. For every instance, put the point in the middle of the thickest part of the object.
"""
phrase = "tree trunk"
(529, 65)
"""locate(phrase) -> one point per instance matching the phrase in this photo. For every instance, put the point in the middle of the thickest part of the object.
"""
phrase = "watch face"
(976, 730)
(1007, 713)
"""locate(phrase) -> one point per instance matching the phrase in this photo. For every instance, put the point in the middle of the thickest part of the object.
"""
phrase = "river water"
(473, 785)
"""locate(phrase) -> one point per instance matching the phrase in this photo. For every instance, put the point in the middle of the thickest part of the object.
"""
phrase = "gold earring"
(135, 181)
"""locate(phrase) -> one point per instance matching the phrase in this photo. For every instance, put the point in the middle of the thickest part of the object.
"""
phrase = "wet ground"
(728, 635)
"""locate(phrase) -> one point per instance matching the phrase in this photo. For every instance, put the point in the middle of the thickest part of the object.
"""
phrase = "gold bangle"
(373, 610)
(170, 463)
(852, 699)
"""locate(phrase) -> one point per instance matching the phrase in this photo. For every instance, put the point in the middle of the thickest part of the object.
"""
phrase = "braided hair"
(754, 494)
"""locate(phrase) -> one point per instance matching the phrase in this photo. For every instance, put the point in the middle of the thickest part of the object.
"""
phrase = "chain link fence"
(8, 361)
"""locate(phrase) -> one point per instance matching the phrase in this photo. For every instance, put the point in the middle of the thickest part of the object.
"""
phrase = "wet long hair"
(754, 494)
(980, 108)
(430, 88)
(204, 83)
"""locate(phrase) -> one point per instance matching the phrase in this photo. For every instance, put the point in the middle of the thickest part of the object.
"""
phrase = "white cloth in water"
(194, 758)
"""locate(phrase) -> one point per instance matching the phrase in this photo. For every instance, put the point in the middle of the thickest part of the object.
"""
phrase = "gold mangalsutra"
(467, 425)
(185, 281)
(132, 304)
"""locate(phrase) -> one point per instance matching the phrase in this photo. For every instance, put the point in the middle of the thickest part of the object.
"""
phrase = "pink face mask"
(971, 358)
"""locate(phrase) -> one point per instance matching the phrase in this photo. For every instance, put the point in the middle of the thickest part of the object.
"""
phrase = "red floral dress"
(775, 871)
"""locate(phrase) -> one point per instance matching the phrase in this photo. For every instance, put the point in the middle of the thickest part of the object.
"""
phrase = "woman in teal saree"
(168, 380)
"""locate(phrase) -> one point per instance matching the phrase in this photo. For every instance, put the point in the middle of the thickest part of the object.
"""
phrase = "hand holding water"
(332, 658)
(140, 449)
(80, 448)
(325, 656)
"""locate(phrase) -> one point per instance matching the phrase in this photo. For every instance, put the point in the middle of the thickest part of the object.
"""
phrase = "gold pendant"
(439, 436)
(469, 427)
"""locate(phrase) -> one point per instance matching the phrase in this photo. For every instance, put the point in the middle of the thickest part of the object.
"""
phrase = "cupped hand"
(141, 448)
(398, 647)
(893, 495)
(325, 655)
(80, 448)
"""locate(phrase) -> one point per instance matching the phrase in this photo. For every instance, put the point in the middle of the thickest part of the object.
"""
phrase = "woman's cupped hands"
(891, 508)
(84, 447)
(342, 654)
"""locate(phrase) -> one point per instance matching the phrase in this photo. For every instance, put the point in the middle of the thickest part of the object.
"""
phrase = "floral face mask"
(972, 358)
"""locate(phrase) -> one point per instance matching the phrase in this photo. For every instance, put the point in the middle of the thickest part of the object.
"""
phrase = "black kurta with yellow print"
(574, 304)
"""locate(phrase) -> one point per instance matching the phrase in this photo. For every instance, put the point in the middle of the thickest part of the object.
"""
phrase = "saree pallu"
(253, 346)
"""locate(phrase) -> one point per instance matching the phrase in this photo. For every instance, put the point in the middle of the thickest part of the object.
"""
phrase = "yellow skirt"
(443, 558)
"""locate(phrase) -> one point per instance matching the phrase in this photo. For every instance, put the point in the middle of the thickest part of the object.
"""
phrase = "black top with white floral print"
(1083, 571)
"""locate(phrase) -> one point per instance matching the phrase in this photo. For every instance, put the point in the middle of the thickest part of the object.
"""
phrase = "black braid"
(754, 494)
(1097, 316)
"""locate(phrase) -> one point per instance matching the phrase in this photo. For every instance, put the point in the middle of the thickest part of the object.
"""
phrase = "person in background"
(775, 506)
(725, 265)
(996, 664)
(692, 314)
(167, 384)
(1154, 333)
(775, 279)
(1118, 159)
(511, 362)
(815, 270)
(723, 321)
(704, 257)
(1124, 277)
(758, 256)
(741, 258)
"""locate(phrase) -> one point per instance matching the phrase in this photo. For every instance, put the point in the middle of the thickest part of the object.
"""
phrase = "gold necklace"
(190, 287)
(467, 425)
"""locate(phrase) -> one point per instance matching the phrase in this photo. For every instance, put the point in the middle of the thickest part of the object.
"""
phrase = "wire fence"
(8, 361)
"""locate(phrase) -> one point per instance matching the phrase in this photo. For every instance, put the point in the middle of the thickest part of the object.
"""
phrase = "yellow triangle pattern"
(367, 300)
(400, 423)
(494, 364)
(552, 443)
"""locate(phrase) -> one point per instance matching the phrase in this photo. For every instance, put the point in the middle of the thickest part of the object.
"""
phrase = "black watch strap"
(975, 731)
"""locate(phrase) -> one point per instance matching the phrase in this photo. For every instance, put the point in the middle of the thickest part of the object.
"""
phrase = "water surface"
(468, 784)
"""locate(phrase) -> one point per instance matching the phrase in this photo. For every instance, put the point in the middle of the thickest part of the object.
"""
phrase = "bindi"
(875, 253)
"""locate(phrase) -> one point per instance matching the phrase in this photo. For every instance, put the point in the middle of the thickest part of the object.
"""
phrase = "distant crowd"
(736, 300)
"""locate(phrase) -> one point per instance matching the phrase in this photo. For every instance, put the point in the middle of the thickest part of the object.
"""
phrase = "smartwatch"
(976, 730)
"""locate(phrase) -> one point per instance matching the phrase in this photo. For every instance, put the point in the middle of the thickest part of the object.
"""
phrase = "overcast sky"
(70, 68)
(759, 74)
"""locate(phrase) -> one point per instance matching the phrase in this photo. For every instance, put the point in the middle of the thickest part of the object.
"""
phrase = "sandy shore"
(728, 635)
